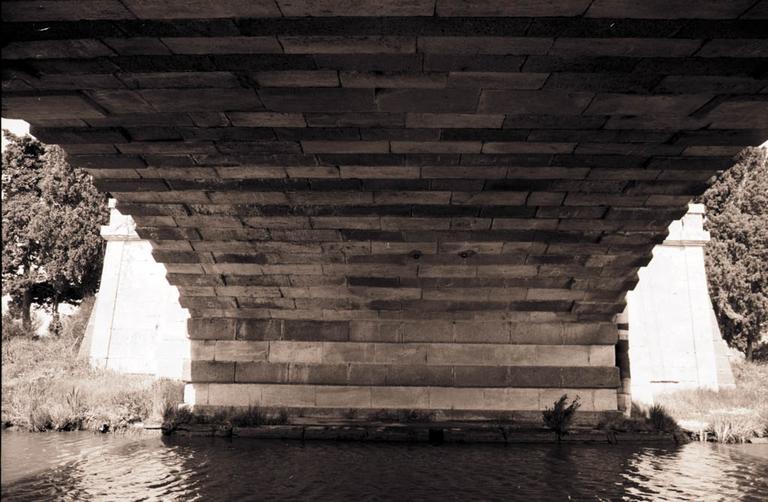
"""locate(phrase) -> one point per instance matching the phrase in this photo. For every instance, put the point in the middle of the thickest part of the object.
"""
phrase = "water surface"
(85, 466)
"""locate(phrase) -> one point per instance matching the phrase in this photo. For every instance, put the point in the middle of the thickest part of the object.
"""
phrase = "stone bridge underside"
(427, 204)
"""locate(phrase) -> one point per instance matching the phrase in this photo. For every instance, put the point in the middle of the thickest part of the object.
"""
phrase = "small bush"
(736, 427)
(660, 419)
(558, 418)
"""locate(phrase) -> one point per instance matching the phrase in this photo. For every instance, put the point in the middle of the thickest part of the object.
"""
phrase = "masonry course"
(441, 206)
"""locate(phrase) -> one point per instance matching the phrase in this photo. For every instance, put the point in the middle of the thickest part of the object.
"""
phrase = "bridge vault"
(434, 204)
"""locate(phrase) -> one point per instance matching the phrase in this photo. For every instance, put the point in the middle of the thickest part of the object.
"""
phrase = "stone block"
(512, 399)
(454, 120)
(391, 353)
(394, 80)
(187, 100)
(211, 329)
(426, 100)
(241, 351)
(481, 376)
(220, 394)
(481, 332)
(49, 107)
(295, 396)
(484, 45)
(406, 375)
(209, 371)
(465, 354)
(223, 45)
(322, 374)
(400, 397)
(266, 119)
(593, 377)
(602, 355)
(591, 333)
(258, 329)
(447, 398)
(752, 114)
(134, 46)
(201, 350)
(200, 9)
(367, 374)
(538, 377)
(325, 78)
(65, 11)
(533, 102)
(660, 9)
(295, 352)
(317, 100)
(53, 49)
(343, 397)
(536, 333)
(348, 45)
(624, 47)
(325, 331)
(345, 146)
(496, 80)
(322, 8)
(605, 400)
(528, 147)
(625, 104)
(503, 8)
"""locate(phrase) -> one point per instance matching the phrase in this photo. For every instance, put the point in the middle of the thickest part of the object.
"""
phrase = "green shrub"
(558, 418)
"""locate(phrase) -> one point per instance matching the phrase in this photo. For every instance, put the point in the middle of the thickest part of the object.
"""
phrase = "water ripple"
(83, 466)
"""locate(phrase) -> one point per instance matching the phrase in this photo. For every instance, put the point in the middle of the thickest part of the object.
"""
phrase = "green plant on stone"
(558, 418)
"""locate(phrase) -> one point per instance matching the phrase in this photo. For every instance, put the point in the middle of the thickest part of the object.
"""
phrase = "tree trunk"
(750, 349)
(55, 326)
(26, 312)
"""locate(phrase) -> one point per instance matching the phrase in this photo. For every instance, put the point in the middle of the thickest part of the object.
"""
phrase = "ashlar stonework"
(436, 204)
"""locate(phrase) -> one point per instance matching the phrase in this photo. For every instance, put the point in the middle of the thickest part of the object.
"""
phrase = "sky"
(17, 127)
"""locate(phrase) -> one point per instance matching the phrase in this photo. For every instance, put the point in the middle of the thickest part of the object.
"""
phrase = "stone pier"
(437, 204)
(137, 324)
(674, 340)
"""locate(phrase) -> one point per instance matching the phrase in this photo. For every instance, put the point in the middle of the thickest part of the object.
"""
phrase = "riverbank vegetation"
(730, 415)
(175, 417)
(46, 386)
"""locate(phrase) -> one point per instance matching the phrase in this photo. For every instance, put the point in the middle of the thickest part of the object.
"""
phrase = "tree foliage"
(52, 250)
(737, 255)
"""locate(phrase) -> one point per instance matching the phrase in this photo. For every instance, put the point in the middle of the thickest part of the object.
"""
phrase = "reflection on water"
(84, 466)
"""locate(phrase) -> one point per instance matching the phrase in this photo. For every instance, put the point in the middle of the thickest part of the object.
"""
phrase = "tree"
(52, 251)
(737, 255)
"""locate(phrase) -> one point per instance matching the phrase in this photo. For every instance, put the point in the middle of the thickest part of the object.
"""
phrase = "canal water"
(86, 466)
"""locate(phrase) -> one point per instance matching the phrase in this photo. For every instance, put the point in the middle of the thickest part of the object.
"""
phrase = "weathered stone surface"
(360, 202)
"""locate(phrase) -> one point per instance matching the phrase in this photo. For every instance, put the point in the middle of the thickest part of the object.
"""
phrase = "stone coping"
(435, 433)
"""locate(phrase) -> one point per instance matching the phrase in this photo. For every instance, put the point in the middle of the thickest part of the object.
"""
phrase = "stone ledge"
(449, 432)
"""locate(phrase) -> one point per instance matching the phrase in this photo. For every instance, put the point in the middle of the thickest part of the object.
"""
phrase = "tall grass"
(733, 415)
(45, 386)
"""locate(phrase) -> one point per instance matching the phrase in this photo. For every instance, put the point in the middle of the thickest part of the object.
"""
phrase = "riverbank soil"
(732, 415)
(45, 386)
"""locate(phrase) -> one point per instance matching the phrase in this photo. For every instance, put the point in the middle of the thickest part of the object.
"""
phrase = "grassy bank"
(731, 415)
(45, 386)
